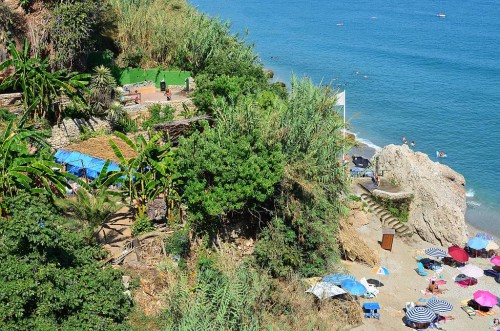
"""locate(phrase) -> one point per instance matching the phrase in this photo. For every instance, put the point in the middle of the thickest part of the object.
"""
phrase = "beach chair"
(491, 273)
(421, 271)
(371, 290)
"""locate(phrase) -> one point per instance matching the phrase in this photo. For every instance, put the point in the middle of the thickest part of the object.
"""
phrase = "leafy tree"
(26, 163)
(101, 90)
(50, 279)
(42, 89)
(75, 29)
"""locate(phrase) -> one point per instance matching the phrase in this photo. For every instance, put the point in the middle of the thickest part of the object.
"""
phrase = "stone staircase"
(387, 220)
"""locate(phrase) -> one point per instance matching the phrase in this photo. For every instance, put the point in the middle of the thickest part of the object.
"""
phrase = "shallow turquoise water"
(406, 71)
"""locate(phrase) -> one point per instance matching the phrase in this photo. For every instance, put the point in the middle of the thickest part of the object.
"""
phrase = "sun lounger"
(371, 290)
(469, 310)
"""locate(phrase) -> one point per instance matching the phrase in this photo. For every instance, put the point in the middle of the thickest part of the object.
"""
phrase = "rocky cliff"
(437, 211)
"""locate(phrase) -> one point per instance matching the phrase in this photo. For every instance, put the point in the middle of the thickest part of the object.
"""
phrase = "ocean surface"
(406, 71)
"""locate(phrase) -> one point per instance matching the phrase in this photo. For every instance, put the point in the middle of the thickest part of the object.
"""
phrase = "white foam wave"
(365, 141)
(473, 203)
(470, 193)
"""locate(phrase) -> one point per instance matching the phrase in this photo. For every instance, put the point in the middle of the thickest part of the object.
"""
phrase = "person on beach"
(412, 143)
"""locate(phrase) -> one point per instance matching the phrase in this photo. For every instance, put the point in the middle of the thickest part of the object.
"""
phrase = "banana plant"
(148, 175)
(26, 163)
(42, 89)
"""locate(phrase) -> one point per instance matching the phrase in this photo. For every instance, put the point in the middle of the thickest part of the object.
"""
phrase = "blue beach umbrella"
(477, 243)
(337, 279)
(353, 287)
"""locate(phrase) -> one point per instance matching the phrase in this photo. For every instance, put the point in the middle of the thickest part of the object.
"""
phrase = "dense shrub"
(226, 171)
(51, 280)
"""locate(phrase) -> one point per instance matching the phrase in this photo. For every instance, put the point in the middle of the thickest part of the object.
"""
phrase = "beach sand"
(405, 285)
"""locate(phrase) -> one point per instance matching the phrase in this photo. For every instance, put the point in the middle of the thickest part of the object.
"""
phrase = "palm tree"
(42, 89)
(92, 207)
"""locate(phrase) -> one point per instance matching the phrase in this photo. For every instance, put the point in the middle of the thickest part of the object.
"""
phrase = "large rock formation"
(437, 211)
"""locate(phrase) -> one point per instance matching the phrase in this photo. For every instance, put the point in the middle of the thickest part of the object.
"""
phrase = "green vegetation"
(40, 86)
(50, 279)
(265, 166)
(397, 208)
(158, 114)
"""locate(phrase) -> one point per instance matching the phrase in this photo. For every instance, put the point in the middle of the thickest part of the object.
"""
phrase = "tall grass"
(153, 28)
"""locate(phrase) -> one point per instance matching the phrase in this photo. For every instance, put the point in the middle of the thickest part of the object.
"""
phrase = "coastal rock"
(437, 210)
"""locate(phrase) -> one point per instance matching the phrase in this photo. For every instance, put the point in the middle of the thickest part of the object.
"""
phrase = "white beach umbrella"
(325, 290)
(471, 270)
(492, 245)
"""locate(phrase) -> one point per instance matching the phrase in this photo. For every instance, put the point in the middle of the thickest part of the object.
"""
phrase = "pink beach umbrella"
(485, 298)
(496, 260)
(471, 270)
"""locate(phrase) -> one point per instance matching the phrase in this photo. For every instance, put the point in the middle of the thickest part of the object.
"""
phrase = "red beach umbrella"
(458, 254)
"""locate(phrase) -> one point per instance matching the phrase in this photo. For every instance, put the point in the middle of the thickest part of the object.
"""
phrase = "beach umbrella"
(477, 243)
(337, 279)
(495, 260)
(380, 271)
(471, 270)
(436, 252)
(353, 287)
(485, 298)
(492, 245)
(484, 236)
(420, 315)
(458, 254)
(325, 290)
(439, 306)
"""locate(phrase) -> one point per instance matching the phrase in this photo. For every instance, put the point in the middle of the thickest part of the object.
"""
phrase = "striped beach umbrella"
(477, 243)
(380, 271)
(337, 279)
(439, 306)
(420, 315)
(436, 252)
(471, 270)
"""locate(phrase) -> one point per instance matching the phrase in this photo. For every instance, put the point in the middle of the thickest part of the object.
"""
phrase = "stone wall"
(11, 101)
(69, 130)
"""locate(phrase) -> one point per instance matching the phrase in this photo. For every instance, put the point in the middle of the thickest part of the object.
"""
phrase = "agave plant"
(101, 88)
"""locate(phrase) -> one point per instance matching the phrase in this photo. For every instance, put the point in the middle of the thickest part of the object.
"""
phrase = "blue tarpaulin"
(77, 163)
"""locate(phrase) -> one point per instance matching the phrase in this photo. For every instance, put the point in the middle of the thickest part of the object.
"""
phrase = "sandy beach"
(405, 285)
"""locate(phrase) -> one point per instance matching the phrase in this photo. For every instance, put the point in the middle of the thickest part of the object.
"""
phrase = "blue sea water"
(406, 72)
